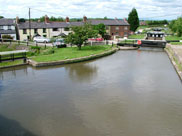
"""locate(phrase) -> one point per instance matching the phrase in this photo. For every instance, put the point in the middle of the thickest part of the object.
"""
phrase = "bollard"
(45, 45)
(24, 60)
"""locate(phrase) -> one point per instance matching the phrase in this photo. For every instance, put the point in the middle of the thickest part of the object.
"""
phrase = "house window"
(107, 27)
(1, 27)
(35, 31)
(9, 27)
(125, 34)
(44, 30)
(125, 28)
(117, 28)
(24, 31)
(55, 29)
(66, 29)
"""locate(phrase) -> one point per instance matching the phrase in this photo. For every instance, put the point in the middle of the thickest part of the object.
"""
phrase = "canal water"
(129, 93)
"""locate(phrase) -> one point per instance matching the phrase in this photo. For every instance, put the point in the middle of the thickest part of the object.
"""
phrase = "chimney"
(17, 20)
(84, 19)
(67, 19)
(125, 20)
(46, 19)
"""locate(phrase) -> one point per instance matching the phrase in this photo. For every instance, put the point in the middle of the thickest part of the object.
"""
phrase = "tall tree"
(1, 17)
(101, 29)
(133, 20)
(80, 35)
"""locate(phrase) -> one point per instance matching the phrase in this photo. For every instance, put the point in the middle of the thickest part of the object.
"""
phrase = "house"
(8, 27)
(115, 27)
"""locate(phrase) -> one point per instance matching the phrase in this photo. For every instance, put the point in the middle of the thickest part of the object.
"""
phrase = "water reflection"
(83, 72)
(10, 127)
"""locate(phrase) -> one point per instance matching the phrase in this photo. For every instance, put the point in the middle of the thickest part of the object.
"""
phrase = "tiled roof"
(109, 22)
(7, 32)
(65, 24)
(5, 21)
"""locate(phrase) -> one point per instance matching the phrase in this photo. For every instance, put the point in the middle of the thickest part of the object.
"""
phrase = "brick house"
(114, 27)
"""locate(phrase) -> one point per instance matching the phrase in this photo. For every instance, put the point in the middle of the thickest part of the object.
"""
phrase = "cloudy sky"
(147, 9)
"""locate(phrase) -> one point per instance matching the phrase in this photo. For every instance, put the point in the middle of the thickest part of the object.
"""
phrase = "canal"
(129, 93)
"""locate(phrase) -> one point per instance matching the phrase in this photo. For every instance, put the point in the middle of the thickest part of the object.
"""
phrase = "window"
(44, 35)
(1, 27)
(35, 31)
(117, 28)
(107, 27)
(125, 28)
(24, 31)
(9, 27)
(44, 30)
(66, 29)
(55, 29)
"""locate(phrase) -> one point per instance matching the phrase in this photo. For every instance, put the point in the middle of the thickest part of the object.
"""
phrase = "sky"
(147, 9)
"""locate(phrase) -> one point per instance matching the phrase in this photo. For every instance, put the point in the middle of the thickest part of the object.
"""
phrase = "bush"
(35, 49)
(7, 38)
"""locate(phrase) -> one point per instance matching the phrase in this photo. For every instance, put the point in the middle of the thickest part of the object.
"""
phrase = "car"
(59, 43)
(41, 39)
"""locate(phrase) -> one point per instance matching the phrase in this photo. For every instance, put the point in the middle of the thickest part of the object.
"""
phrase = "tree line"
(176, 26)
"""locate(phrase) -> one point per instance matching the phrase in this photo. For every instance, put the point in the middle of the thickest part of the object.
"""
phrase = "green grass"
(176, 43)
(11, 63)
(71, 52)
(128, 41)
(169, 38)
(137, 36)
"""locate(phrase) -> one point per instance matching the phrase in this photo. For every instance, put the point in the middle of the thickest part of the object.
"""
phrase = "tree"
(80, 35)
(1, 17)
(101, 29)
(133, 20)
(176, 26)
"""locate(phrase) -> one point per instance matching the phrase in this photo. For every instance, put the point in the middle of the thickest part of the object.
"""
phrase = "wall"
(120, 32)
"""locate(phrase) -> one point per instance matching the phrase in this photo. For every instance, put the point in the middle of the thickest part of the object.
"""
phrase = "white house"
(8, 27)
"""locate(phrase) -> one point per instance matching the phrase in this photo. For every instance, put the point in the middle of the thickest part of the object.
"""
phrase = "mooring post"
(0, 58)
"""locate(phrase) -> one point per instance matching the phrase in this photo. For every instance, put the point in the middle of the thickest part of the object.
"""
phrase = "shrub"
(7, 38)
(48, 51)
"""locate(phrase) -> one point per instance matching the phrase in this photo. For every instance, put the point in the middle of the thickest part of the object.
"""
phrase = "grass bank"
(71, 52)
(171, 38)
(137, 36)
(11, 63)
(176, 43)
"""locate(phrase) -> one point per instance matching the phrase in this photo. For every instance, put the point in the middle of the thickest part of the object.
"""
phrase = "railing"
(12, 55)
(25, 43)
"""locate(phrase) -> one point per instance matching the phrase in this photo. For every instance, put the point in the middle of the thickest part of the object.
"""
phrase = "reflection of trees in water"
(10, 127)
(81, 72)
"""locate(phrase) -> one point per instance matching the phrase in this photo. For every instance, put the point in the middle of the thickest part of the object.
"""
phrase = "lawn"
(128, 41)
(170, 38)
(137, 36)
(71, 52)
(176, 43)
(11, 63)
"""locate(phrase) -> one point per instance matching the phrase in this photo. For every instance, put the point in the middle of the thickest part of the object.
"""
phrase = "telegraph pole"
(29, 25)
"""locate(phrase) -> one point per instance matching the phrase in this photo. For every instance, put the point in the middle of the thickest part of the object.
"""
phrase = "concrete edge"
(171, 57)
(11, 66)
(68, 61)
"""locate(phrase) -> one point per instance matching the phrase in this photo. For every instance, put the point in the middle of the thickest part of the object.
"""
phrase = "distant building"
(155, 35)
(114, 27)
(8, 27)
(143, 23)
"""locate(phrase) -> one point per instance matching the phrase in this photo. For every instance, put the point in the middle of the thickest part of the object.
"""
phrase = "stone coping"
(68, 61)
(128, 48)
(171, 53)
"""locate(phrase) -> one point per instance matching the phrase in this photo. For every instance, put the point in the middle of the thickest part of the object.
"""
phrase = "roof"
(7, 32)
(109, 22)
(39, 25)
(5, 21)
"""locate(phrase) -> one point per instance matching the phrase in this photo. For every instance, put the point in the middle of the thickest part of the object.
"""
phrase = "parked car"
(41, 39)
(59, 43)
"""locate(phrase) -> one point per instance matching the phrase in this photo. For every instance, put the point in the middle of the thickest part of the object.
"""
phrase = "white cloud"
(157, 9)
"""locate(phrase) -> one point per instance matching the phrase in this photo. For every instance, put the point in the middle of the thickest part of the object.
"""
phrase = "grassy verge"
(170, 38)
(137, 36)
(11, 63)
(70, 53)
(128, 41)
(176, 43)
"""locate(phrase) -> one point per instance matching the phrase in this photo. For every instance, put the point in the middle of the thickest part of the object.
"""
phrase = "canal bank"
(175, 55)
